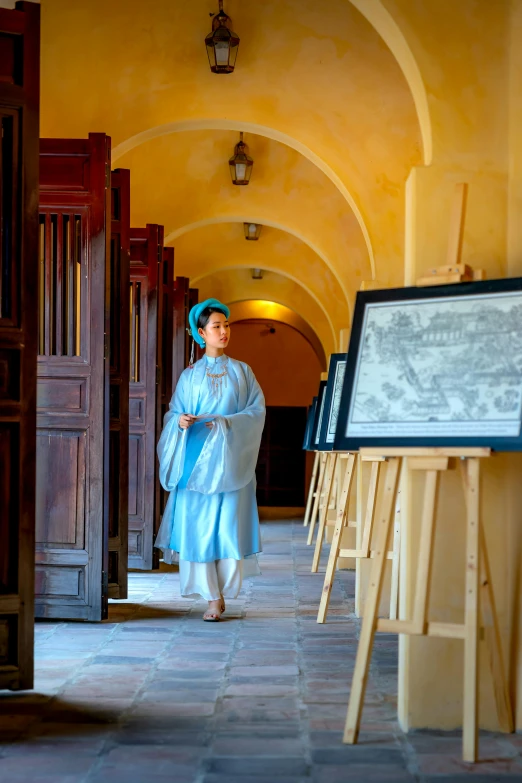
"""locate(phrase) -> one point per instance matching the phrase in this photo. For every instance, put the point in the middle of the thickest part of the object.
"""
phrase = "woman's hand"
(186, 421)
(209, 424)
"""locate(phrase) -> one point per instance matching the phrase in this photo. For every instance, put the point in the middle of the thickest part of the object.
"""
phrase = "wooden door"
(71, 479)
(165, 355)
(19, 107)
(180, 344)
(118, 457)
(146, 260)
(281, 465)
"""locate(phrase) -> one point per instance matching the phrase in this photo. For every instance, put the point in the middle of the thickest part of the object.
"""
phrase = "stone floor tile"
(258, 766)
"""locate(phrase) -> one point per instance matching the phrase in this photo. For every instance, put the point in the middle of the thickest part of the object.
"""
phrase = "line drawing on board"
(336, 401)
(443, 366)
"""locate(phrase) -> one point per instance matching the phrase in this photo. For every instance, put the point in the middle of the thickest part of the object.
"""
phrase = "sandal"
(214, 615)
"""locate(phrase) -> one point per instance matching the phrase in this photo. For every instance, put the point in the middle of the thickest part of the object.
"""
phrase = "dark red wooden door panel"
(72, 416)
(146, 262)
(180, 345)
(118, 458)
(19, 107)
(165, 357)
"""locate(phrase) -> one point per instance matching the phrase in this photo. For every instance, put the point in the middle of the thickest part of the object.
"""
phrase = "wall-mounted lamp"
(241, 164)
(257, 274)
(252, 231)
(222, 44)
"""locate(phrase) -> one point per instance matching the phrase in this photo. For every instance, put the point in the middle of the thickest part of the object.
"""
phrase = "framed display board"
(332, 401)
(437, 366)
(309, 426)
(318, 418)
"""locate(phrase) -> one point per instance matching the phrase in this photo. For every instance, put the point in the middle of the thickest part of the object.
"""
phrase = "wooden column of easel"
(312, 488)
(433, 461)
(364, 551)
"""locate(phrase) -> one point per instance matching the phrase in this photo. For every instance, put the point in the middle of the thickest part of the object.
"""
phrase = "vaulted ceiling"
(328, 114)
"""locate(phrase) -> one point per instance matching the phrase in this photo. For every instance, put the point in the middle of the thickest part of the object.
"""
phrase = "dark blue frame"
(344, 443)
(309, 425)
(335, 359)
(314, 445)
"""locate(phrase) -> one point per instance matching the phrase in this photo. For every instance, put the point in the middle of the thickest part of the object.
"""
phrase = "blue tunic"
(210, 473)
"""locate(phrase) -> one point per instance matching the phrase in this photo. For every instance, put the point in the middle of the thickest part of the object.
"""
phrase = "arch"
(259, 130)
(272, 224)
(194, 281)
(237, 285)
(384, 23)
(264, 310)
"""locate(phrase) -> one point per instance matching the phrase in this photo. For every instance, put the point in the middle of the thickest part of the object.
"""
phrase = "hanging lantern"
(252, 231)
(222, 44)
(241, 164)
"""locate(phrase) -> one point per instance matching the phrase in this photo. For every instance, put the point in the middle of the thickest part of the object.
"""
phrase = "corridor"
(156, 695)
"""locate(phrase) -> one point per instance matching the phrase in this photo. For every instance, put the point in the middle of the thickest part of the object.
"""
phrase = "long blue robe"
(211, 513)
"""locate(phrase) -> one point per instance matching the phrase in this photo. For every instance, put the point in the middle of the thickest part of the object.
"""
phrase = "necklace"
(217, 379)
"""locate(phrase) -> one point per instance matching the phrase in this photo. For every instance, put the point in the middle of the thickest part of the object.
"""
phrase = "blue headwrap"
(196, 312)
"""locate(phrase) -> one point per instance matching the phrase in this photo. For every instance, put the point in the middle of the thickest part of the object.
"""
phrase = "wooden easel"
(318, 493)
(433, 461)
(332, 478)
(363, 551)
(325, 499)
(311, 490)
(479, 598)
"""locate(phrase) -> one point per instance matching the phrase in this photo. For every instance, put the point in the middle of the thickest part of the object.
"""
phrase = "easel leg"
(491, 629)
(311, 490)
(425, 556)
(371, 607)
(493, 641)
(317, 499)
(342, 512)
(370, 509)
(324, 515)
(471, 639)
(358, 534)
(394, 588)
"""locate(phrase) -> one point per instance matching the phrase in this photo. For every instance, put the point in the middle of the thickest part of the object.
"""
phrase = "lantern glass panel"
(241, 170)
(222, 50)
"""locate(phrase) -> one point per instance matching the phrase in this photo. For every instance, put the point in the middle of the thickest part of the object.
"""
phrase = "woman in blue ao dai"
(208, 453)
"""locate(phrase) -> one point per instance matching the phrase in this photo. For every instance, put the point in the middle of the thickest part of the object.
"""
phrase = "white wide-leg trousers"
(211, 580)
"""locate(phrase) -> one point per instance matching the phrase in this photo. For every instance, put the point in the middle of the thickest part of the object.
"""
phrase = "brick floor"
(155, 695)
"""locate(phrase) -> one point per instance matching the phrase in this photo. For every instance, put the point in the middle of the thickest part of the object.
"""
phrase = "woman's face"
(217, 331)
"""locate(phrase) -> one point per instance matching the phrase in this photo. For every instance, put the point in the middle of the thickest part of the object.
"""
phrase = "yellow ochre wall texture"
(361, 115)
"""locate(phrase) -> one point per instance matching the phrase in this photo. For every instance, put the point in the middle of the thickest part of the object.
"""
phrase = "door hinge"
(158, 375)
(105, 345)
(107, 176)
(105, 583)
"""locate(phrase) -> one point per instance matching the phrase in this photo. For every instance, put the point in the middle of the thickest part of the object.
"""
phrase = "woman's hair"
(205, 314)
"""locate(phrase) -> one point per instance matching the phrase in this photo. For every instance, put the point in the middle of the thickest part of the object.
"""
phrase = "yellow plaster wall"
(461, 49)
